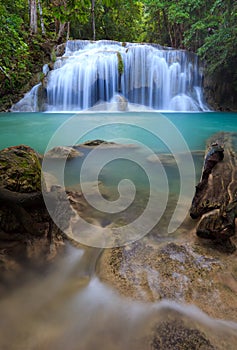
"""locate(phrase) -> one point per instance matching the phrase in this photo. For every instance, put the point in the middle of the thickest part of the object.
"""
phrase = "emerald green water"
(36, 129)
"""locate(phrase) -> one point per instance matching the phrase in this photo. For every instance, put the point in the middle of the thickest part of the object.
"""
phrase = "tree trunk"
(167, 26)
(93, 18)
(33, 17)
(68, 30)
(41, 18)
(61, 32)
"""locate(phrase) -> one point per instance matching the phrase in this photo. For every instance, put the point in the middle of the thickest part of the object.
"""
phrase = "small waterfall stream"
(145, 74)
(71, 309)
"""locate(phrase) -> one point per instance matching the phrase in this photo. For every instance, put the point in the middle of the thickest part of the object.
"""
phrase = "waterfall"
(90, 73)
(29, 103)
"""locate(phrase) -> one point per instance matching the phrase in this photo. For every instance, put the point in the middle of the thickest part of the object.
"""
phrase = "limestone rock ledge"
(188, 271)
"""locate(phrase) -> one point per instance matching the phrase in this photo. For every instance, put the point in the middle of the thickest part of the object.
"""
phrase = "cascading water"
(90, 73)
(29, 103)
(144, 74)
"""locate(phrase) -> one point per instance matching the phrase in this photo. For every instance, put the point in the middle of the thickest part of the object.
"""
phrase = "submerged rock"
(63, 152)
(94, 143)
(104, 145)
(69, 152)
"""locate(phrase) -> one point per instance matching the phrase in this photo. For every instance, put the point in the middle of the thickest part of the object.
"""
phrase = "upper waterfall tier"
(144, 74)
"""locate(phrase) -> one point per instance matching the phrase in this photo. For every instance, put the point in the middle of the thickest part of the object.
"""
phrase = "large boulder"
(20, 169)
(27, 232)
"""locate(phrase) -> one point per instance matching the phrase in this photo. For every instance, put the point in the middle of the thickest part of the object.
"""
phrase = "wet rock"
(121, 102)
(41, 97)
(215, 201)
(62, 152)
(60, 50)
(183, 272)
(50, 181)
(20, 169)
(27, 233)
(152, 273)
(104, 145)
(170, 335)
(94, 143)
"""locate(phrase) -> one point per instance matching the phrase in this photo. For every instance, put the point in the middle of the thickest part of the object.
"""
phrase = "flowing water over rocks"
(185, 272)
(71, 308)
(164, 291)
(108, 71)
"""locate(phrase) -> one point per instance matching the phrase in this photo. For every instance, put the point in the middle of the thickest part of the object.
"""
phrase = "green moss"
(22, 169)
(41, 77)
(53, 56)
(120, 63)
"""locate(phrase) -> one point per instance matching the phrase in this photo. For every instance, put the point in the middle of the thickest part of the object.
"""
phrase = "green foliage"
(206, 27)
(53, 56)
(221, 43)
(14, 56)
(115, 20)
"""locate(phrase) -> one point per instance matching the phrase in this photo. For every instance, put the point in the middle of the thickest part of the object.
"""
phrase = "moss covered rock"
(20, 169)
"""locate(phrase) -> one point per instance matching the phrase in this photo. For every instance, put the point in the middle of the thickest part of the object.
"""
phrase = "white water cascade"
(145, 74)
(93, 73)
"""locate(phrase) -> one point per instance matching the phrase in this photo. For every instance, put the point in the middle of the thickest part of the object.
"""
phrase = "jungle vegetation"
(29, 28)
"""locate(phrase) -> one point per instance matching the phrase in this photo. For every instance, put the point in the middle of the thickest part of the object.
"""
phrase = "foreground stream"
(70, 308)
(166, 289)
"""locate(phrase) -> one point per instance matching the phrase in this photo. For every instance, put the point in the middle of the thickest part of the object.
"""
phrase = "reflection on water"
(71, 309)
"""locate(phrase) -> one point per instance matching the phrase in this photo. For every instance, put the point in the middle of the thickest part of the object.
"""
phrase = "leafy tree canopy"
(206, 27)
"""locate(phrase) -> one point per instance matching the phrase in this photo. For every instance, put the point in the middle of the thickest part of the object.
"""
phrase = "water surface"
(36, 129)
